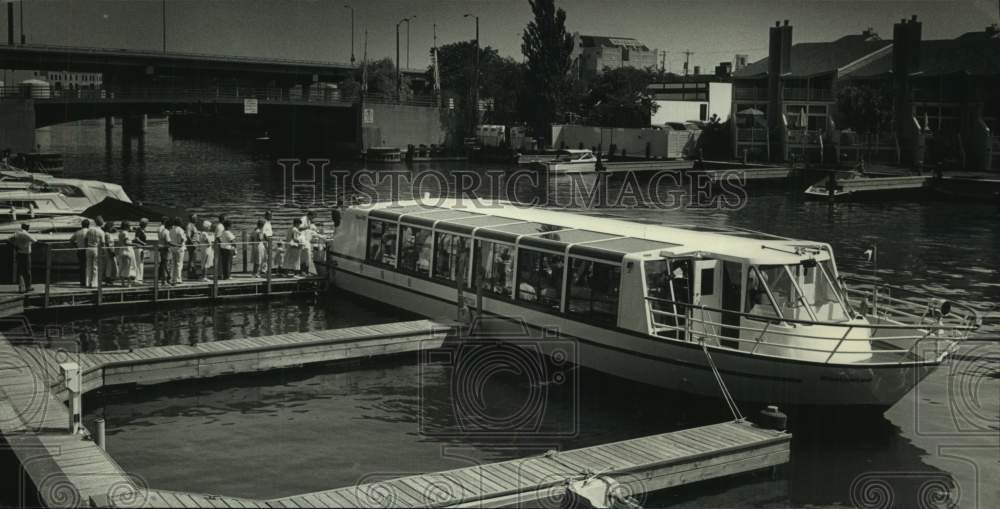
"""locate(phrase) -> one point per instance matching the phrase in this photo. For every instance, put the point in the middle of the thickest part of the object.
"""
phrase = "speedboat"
(49, 196)
(571, 161)
(677, 307)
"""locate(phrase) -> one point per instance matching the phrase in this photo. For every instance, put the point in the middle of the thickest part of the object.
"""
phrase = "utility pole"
(352, 33)
(475, 78)
(20, 10)
(687, 60)
(364, 70)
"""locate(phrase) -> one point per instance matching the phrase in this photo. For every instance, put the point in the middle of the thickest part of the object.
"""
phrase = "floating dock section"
(69, 295)
(72, 470)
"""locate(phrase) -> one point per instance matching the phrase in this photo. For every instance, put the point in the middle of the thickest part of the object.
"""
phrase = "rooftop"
(593, 41)
(867, 55)
(816, 58)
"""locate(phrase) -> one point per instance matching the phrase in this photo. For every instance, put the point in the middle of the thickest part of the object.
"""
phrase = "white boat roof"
(593, 231)
(575, 151)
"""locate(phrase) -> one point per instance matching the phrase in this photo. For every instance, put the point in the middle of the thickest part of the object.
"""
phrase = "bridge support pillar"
(17, 125)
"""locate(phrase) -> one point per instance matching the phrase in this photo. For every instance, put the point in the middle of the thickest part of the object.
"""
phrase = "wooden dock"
(638, 466)
(65, 295)
(72, 471)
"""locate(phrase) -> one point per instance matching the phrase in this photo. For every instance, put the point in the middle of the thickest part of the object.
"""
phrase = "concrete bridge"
(294, 98)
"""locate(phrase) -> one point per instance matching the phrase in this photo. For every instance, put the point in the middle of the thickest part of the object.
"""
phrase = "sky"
(714, 30)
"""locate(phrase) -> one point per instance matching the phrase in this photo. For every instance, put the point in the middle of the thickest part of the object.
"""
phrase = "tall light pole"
(408, 40)
(352, 32)
(475, 78)
(399, 88)
(163, 18)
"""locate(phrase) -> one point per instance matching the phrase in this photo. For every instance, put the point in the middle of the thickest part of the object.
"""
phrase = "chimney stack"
(779, 59)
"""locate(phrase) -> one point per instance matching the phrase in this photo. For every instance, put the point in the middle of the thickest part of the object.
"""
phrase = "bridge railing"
(318, 95)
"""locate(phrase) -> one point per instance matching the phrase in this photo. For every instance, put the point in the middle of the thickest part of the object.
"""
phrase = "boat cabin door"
(706, 290)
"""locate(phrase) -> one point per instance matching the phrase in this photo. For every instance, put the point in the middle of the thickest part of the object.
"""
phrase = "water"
(282, 433)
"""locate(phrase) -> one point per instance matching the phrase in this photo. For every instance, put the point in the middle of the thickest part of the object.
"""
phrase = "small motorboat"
(570, 161)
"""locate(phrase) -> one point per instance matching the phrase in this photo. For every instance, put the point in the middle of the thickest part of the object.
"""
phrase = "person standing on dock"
(227, 249)
(258, 251)
(177, 239)
(206, 249)
(163, 250)
(293, 252)
(268, 233)
(191, 230)
(140, 249)
(92, 242)
(125, 254)
(79, 242)
(22, 241)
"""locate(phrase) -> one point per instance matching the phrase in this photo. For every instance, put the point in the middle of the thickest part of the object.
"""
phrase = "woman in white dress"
(293, 249)
(125, 254)
(206, 248)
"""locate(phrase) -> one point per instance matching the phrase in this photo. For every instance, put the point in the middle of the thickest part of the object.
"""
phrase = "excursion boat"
(658, 304)
(48, 196)
(571, 161)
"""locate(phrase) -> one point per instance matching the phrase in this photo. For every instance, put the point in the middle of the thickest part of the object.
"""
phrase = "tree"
(500, 80)
(548, 49)
(620, 98)
(866, 109)
(381, 81)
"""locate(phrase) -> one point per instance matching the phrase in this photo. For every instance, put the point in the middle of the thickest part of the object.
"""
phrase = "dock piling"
(48, 274)
(99, 436)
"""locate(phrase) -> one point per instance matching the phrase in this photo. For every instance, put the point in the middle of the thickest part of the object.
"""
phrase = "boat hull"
(670, 364)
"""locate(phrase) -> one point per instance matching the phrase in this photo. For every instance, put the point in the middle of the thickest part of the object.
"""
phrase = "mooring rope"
(730, 402)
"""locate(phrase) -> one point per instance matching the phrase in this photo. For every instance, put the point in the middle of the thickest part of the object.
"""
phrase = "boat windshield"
(797, 292)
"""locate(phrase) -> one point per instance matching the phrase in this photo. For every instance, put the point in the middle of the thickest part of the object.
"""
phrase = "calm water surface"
(283, 433)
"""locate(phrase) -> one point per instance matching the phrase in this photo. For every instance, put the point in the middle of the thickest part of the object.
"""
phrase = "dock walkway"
(73, 471)
(65, 295)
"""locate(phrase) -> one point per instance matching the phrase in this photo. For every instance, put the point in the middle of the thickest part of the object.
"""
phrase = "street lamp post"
(352, 32)
(399, 81)
(475, 78)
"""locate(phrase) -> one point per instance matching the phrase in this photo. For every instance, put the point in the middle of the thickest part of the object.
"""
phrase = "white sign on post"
(250, 106)
(368, 117)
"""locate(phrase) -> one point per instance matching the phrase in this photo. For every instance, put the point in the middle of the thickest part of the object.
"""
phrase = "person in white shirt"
(206, 246)
(79, 242)
(163, 251)
(227, 249)
(267, 232)
(177, 238)
(293, 261)
(92, 241)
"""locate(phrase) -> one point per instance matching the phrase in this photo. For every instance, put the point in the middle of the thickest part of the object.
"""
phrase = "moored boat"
(48, 196)
(570, 161)
(658, 304)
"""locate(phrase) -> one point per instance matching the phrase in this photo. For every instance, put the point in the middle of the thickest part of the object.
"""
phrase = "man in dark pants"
(79, 242)
(163, 248)
(22, 241)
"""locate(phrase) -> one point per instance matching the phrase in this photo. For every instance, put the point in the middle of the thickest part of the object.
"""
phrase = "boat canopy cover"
(595, 236)
(113, 209)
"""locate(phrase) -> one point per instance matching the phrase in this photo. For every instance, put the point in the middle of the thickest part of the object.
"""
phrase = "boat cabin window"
(593, 290)
(451, 256)
(540, 277)
(796, 292)
(415, 250)
(381, 242)
(495, 261)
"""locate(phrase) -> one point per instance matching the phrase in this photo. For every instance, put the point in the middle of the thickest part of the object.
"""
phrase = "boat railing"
(899, 337)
